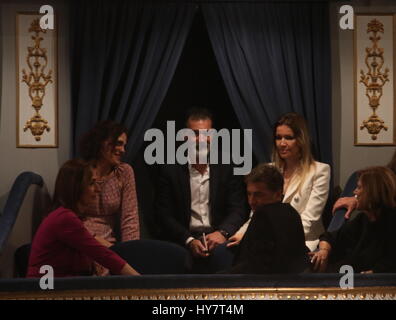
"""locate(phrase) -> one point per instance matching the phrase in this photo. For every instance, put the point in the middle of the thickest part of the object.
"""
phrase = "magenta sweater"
(64, 243)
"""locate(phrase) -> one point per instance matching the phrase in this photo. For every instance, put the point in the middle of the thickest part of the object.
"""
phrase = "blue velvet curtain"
(124, 54)
(275, 58)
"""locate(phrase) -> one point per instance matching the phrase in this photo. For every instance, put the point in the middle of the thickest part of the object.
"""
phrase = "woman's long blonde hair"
(300, 130)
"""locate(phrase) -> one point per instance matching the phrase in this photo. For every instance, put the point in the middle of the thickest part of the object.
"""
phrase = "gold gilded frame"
(240, 294)
(357, 126)
(20, 85)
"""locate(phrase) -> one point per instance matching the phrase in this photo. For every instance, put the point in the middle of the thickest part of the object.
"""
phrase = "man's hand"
(235, 240)
(198, 249)
(214, 239)
(350, 203)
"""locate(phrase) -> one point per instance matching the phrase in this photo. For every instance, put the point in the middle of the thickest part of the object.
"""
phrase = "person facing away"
(200, 204)
(274, 241)
(306, 181)
(367, 242)
(62, 241)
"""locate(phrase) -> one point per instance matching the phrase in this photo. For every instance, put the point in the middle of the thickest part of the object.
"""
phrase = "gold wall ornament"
(37, 79)
(374, 79)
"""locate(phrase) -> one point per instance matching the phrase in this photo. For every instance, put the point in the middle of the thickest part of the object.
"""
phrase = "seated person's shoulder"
(278, 214)
(125, 168)
(62, 217)
(274, 209)
(320, 166)
(125, 172)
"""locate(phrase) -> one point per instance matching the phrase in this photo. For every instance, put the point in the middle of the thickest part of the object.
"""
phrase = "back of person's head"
(71, 180)
(198, 113)
(267, 174)
(92, 142)
(378, 189)
(299, 127)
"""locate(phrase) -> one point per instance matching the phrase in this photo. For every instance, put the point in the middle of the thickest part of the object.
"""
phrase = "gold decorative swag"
(37, 80)
(374, 79)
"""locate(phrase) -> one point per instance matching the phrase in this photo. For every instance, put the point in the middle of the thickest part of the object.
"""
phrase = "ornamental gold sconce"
(36, 70)
(36, 79)
(374, 66)
(374, 79)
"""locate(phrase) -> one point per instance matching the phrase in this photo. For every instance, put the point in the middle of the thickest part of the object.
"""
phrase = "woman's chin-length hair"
(378, 189)
(71, 181)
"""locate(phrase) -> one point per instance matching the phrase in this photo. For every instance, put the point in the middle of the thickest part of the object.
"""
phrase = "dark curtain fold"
(275, 58)
(124, 55)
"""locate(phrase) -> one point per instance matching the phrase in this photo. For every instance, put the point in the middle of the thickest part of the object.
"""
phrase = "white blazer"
(310, 201)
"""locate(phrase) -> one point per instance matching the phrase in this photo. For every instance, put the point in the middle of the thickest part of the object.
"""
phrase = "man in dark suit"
(200, 205)
(274, 241)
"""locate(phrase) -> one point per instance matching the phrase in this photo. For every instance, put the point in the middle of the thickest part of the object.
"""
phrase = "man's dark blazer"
(273, 243)
(227, 201)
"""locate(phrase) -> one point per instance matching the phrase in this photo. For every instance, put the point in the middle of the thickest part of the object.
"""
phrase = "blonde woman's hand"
(235, 240)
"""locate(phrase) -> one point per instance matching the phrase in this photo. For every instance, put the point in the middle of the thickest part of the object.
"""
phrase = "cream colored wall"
(347, 157)
(13, 160)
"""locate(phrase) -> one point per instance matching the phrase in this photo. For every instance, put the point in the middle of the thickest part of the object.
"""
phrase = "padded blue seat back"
(14, 202)
(154, 256)
(338, 219)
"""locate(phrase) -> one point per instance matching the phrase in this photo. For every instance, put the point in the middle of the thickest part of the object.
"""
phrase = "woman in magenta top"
(104, 146)
(62, 241)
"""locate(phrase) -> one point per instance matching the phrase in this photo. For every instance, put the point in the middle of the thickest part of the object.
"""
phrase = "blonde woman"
(306, 181)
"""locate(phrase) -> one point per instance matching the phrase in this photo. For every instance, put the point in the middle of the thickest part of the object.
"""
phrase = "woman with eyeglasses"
(62, 241)
(367, 242)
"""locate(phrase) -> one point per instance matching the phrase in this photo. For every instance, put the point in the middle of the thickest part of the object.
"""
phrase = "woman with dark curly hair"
(116, 207)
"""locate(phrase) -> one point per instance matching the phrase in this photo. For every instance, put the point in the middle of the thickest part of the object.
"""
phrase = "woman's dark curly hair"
(91, 143)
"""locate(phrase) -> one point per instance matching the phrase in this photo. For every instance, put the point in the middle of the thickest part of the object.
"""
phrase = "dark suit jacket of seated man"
(228, 207)
(273, 243)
